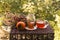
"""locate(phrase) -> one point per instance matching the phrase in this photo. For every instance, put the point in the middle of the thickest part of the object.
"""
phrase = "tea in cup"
(40, 24)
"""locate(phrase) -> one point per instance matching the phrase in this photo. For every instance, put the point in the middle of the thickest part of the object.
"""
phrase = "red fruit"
(21, 25)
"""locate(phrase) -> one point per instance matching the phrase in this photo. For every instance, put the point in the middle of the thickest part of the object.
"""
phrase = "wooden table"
(38, 34)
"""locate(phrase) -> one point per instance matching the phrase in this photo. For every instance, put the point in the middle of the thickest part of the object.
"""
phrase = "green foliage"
(58, 12)
(41, 8)
(14, 6)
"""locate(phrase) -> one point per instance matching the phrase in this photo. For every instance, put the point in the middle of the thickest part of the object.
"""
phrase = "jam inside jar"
(31, 24)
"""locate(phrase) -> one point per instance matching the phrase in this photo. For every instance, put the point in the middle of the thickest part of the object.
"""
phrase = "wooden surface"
(37, 31)
(39, 34)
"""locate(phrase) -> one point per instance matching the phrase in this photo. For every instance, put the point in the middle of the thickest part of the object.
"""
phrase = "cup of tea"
(40, 24)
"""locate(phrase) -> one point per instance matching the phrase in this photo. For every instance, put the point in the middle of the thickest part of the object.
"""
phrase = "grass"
(56, 30)
(56, 33)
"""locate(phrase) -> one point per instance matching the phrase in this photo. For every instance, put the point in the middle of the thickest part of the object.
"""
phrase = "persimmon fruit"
(20, 25)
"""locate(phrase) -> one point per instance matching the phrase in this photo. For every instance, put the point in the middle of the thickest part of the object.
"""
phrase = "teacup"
(40, 24)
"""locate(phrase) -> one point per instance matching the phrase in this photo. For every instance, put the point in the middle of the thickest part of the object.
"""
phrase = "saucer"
(46, 25)
(35, 27)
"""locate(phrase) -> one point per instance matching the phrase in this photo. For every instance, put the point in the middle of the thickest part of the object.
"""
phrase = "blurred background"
(44, 9)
